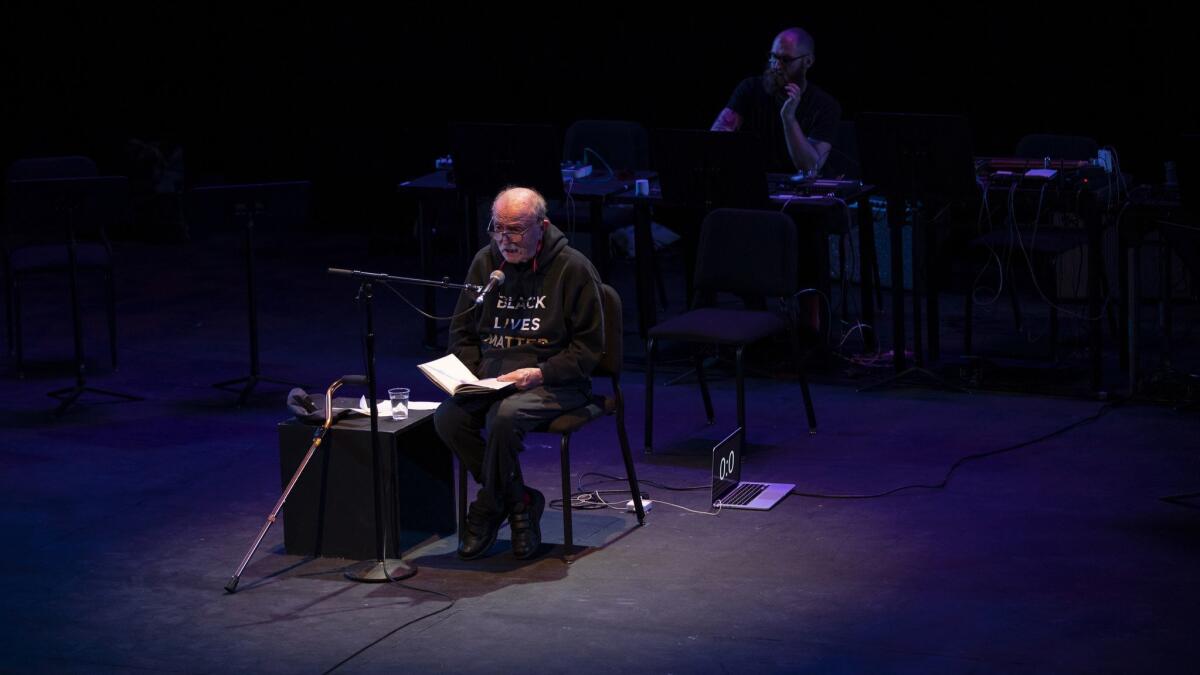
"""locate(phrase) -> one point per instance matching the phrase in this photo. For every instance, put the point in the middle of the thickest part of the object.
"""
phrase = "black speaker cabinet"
(331, 511)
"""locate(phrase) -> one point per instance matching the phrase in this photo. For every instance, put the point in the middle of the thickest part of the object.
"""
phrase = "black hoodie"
(547, 315)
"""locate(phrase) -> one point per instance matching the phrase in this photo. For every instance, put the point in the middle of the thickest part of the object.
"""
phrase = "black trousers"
(460, 421)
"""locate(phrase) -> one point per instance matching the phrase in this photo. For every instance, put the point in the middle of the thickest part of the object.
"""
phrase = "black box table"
(331, 511)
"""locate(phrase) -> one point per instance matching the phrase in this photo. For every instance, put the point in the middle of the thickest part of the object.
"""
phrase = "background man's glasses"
(785, 60)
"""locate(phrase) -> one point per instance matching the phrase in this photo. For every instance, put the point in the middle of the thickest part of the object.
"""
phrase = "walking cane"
(318, 436)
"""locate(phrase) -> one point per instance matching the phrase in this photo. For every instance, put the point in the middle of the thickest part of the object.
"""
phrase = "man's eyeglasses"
(785, 60)
(514, 235)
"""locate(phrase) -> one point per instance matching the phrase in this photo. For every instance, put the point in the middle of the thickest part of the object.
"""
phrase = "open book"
(454, 377)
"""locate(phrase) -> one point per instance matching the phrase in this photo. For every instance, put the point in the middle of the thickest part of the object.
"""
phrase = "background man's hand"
(793, 91)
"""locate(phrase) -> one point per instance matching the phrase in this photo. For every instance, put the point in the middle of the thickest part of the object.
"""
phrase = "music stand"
(914, 157)
(78, 204)
(245, 202)
(710, 169)
(490, 157)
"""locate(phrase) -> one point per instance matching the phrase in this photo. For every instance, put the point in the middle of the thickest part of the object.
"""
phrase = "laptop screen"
(727, 464)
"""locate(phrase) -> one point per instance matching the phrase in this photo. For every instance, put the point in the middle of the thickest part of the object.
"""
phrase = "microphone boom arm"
(379, 276)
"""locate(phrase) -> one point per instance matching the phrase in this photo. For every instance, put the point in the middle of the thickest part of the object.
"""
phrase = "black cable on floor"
(397, 629)
(580, 504)
(970, 458)
(610, 478)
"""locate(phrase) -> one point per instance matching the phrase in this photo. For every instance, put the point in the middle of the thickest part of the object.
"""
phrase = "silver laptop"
(728, 490)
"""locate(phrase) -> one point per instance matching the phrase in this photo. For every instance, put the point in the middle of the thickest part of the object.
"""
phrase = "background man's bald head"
(800, 38)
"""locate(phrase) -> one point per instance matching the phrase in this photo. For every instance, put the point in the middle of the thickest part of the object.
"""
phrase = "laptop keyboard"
(744, 494)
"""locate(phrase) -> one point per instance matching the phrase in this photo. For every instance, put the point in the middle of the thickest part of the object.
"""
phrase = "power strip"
(646, 506)
(572, 170)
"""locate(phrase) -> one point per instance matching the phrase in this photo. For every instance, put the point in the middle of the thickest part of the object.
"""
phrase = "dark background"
(359, 100)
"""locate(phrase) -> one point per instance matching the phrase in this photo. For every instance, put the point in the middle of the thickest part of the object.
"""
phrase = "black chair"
(620, 145)
(613, 148)
(749, 253)
(574, 420)
(34, 244)
(1044, 252)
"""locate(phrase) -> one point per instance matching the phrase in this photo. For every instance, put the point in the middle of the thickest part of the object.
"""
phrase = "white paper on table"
(385, 407)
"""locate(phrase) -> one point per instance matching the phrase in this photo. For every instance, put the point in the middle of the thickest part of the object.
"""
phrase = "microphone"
(494, 279)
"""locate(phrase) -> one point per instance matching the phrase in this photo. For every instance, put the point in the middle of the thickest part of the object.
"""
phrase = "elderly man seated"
(542, 328)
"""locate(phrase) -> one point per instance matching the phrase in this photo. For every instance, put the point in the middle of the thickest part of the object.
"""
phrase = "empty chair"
(744, 252)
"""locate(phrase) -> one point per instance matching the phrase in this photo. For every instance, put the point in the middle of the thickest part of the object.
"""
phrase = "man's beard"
(775, 81)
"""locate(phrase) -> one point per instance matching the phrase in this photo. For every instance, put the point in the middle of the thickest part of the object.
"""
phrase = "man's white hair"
(530, 202)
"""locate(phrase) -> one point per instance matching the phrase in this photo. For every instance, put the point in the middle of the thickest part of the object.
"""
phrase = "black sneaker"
(526, 523)
(482, 527)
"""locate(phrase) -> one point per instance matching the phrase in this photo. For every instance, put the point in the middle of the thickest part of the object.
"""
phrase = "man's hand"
(525, 378)
(788, 111)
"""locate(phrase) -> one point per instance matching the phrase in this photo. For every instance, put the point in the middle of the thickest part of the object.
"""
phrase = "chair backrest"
(747, 252)
(1057, 146)
(610, 362)
(489, 157)
(37, 168)
(621, 143)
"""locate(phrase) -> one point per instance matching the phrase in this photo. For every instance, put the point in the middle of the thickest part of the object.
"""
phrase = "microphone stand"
(382, 568)
(444, 282)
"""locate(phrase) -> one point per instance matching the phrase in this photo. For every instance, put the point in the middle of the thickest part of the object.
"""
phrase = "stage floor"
(123, 521)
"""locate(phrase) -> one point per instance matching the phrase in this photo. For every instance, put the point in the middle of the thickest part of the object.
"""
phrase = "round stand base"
(379, 571)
